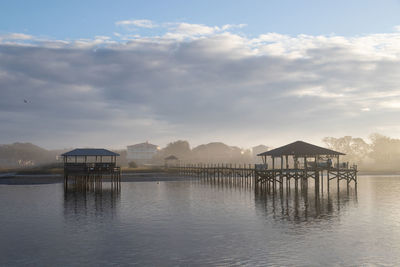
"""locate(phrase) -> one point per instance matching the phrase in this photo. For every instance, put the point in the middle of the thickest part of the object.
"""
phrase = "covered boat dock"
(89, 166)
(301, 161)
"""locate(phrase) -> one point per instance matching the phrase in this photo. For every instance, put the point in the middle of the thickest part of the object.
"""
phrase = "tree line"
(378, 153)
(215, 152)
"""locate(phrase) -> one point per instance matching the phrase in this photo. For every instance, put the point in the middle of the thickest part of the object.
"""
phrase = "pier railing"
(91, 168)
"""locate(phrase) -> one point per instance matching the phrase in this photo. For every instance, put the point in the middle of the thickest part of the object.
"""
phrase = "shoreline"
(38, 179)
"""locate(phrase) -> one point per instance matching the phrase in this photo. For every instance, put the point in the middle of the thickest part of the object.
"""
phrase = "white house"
(142, 153)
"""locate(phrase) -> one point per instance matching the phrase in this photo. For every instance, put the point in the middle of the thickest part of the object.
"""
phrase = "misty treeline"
(215, 152)
(27, 154)
(378, 153)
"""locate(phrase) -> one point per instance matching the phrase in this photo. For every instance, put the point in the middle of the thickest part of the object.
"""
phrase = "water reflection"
(224, 184)
(303, 204)
(292, 203)
(96, 201)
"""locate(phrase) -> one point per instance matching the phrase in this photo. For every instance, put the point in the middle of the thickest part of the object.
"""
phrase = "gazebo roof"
(300, 148)
(90, 152)
(172, 157)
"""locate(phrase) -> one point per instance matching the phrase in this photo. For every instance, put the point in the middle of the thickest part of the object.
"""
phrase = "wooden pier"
(272, 179)
(233, 174)
(295, 165)
(89, 168)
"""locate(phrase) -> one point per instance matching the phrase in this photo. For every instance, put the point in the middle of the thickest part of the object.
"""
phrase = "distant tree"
(12, 155)
(180, 149)
(218, 152)
(385, 151)
(132, 164)
(213, 152)
(356, 149)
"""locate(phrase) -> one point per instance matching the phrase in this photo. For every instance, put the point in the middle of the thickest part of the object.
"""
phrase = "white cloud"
(232, 26)
(184, 30)
(140, 23)
(19, 36)
(90, 43)
(390, 104)
(317, 91)
(193, 29)
(15, 36)
(176, 30)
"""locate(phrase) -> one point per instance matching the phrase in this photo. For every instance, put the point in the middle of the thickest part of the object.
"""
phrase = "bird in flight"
(25, 101)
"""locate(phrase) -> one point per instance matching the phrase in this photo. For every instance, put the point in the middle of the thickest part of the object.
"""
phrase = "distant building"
(141, 153)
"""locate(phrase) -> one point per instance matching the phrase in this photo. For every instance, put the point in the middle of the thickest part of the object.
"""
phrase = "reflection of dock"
(88, 168)
(80, 201)
(291, 203)
(299, 204)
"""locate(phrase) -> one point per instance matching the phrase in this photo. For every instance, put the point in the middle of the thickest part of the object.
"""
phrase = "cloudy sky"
(241, 72)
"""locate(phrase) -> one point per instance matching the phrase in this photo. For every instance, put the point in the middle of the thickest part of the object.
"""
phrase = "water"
(195, 223)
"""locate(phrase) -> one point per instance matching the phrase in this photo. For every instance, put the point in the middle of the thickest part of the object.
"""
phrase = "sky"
(115, 73)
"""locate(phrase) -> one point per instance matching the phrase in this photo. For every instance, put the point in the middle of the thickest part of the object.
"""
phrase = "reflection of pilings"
(226, 180)
(79, 200)
(296, 204)
(302, 186)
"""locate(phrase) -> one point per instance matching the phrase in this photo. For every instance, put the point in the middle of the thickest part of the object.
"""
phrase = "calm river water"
(196, 223)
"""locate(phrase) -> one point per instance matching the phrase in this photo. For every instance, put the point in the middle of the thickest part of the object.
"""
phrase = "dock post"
(218, 173)
(338, 174)
(327, 180)
(316, 184)
(322, 182)
(355, 181)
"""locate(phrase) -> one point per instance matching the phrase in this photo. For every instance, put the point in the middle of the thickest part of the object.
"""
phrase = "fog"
(377, 153)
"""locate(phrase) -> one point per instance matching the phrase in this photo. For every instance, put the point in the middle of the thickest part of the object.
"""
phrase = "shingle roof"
(300, 148)
(90, 152)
